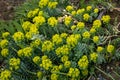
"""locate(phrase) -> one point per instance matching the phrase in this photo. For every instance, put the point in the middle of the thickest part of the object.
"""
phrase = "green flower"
(5, 75)
(14, 63)
(86, 17)
(110, 48)
(86, 35)
(4, 52)
(106, 19)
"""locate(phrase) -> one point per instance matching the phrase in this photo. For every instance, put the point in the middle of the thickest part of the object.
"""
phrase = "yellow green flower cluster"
(68, 20)
(32, 13)
(63, 50)
(39, 20)
(18, 36)
(72, 40)
(36, 59)
(54, 77)
(57, 39)
(4, 52)
(86, 35)
(86, 17)
(39, 74)
(4, 43)
(73, 72)
(83, 62)
(14, 63)
(52, 4)
(36, 43)
(96, 39)
(80, 25)
(110, 48)
(55, 69)
(97, 24)
(5, 34)
(69, 8)
(93, 57)
(106, 19)
(47, 46)
(5, 75)
(52, 21)
(100, 49)
(46, 63)
(26, 52)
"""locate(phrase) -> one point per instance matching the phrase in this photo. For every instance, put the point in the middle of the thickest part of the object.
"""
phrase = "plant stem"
(104, 73)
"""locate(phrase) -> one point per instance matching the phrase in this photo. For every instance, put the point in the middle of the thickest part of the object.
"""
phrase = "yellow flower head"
(44, 57)
(63, 35)
(26, 25)
(69, 8)
(29, 35)
(106, 19)
(56, 39)
(14, 63)
(99, 49)
(43, 3)
(32, 13)
(39, 74)
(36, 59)
(27, 51)
(33, 29)
(92, 30)
(46, 64)
(93, 57)
(18, 36)
(63, 50)
(55, 69)
(64, 58)
(4, 52)
(52, 4)
(97, 24)
(20, 53)
(86, 35)
(96, 39)
(85, 72)
(68, 20)
(96, 10)
(73, 27)
(83, 62)
(4, 43)
(89, 8)
(39, 20)
(80, 11)
(80, 25)
(73, 72)
(5, 75)
(60, 66)
(54, 77)
(40, 13)
(52, 21)
(5, 34)
(36, 43)
(86, 17)
(73, 13)
(72, 40)
(47, 46)
(67, 64)
(110, 48)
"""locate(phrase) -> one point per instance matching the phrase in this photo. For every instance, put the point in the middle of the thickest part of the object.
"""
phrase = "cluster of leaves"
(57, 42)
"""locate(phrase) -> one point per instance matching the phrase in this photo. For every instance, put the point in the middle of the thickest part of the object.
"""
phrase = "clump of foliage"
(58, 43)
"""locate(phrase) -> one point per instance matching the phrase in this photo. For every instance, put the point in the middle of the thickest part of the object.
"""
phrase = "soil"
(7, 8)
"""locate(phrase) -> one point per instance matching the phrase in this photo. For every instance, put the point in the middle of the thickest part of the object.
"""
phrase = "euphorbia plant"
(56, 45)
